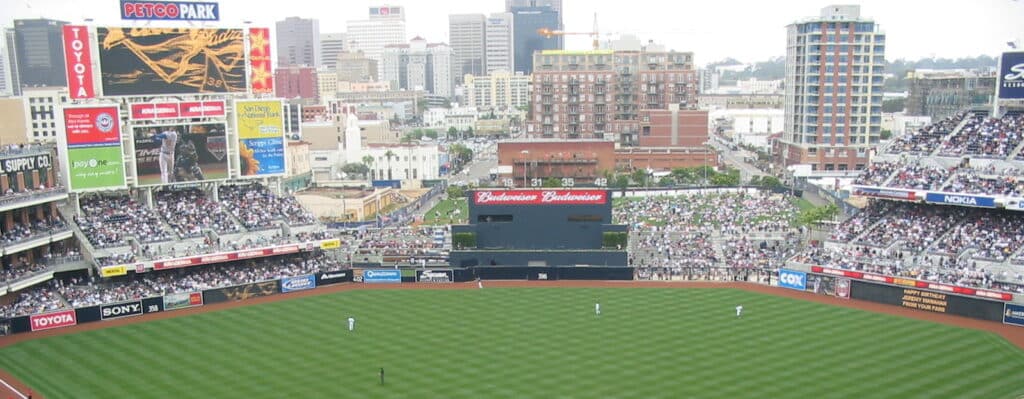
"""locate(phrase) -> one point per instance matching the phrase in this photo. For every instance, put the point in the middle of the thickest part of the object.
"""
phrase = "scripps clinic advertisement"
(260, 126)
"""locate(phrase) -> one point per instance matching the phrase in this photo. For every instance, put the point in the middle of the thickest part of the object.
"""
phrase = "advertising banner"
(226, 257)
(792, 279)
(25, 164)
(333, 277)
(382, 276)
(298, 283)
(262, 74)
(170, 10)
(1011, 75)
(151, 61)
(914, 298)
(961, 199)
(260, 126)
(825, 285)
(153, 305)
(330, 244)
(177, 110)
(435, 276)
(93, 138)
(180, 153)
(240, 292)
(1002, 296)
(843, 288)
(46, 321)
(183, 300)
(113, 271)
(540, 197)
(78, 62)
(119, 310)
(876, 192)
(1013, 314)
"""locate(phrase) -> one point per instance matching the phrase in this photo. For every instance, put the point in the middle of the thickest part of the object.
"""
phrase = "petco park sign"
(541, 197)
(170, 10)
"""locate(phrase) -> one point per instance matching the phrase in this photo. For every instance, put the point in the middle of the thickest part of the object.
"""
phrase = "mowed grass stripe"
(536, 342)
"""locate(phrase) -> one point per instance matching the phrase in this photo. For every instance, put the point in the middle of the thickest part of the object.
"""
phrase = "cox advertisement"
(1013, 314)
(1011, 75)
(382, 276)
(180, 153)
(961, 199)
(93, 137)
(792, 279)
(64, 318)
(144, 61)
(299, 283)
(260, 127)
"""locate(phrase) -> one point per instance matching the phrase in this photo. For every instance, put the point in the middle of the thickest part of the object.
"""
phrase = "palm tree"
(368, 161)
(389, 154)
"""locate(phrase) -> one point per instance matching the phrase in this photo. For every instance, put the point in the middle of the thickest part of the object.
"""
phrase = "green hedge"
(614, 239)
(463, 240)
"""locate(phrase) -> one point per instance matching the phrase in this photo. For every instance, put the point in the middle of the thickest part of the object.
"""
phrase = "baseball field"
(524, 343)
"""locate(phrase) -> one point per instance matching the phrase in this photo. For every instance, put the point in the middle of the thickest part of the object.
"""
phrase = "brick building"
(581, 160)
(612, 95)
(296, 83)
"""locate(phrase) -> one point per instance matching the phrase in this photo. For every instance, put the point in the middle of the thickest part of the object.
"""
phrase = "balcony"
(35, 197)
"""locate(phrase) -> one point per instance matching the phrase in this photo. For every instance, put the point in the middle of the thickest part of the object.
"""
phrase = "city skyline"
(954, 30)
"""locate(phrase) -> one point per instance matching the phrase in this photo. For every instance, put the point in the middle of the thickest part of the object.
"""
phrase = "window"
(494, 218)
(585, 218)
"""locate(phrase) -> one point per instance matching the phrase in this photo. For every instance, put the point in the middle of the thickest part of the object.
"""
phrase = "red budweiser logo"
(541, 197)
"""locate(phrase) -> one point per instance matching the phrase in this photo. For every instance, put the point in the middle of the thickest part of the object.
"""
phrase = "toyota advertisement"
(46, 321)
(792, 279)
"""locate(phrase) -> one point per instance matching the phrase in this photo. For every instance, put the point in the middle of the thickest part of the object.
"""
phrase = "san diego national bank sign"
(1011, 75)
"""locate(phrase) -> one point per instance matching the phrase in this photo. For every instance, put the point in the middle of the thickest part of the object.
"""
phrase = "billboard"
(1011, 75)
(78, 62)
(792, 279)
(119, 310)
(152, 61)
(299, 283)
(1013, 314)
(93, 139)
(166, 154)
(260, 126)
(961, 199)
(913, 298)
(262, 74)
(114, 271)
(541, 197)
(435, 275)
(170, 10)
(25, 163)
(177, 110)
(183, 300)
(64, 318)
(382, 276)
(877, 192)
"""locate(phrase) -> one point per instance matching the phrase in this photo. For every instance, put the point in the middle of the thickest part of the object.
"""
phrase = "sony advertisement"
(150, 61)
(166, 154)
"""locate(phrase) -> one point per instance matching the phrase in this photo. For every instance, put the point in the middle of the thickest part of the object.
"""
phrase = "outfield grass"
(526, 343)
(443, 207)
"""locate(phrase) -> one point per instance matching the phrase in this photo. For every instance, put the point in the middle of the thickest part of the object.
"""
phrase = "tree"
(894, 105)
(431, 133)
(368, 161)
(885, 134)
(816, 215)
(666, 181)
(388, 155)
(453, 133)
(551, 182)
(469, 131)
(639, 177)
(767, 181)
(730, 177)
(355, 169)
(456, 192)
(621, 181)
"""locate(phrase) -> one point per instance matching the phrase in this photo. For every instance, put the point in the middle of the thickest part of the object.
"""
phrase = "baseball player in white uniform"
(597, 308)
(739, 310)
(480, 283)
(351, 323)
(168, 140)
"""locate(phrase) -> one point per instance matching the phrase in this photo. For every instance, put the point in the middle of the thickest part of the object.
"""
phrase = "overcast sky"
(744, 29)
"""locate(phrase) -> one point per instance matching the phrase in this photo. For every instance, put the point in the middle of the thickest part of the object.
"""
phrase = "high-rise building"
(331, 45)
(11, 61)
(42, 107)
(296, 83)
(419, 66)
(466, 35)
(39, 52)
(555, 5)
(6, 89)
(385, 26)
(526, 40)
(833, 91)
(499, 34)
(354, 66)
(500, 90)
(298, 42)
(326, 84)
(635, 97)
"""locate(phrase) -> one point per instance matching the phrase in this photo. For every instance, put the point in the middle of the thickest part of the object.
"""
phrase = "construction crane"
(594, 33)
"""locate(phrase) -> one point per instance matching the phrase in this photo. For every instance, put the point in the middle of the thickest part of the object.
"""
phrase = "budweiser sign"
(177, 110)
(541, 197)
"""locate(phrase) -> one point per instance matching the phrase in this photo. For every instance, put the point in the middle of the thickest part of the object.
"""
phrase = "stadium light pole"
(525, 153)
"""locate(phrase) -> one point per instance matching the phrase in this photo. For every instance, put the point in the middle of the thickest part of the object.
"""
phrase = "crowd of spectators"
(723, 213)
(926, 139)
(108, 221)
(915, 227)
(920, 177)
(37, 299)
(88, 292)
(189, 211)
(399, 241)
(995, 235)
(1008, 182)
(258, 208)
(986, 137)
(15, 272)
(20, 232)
(877, 173)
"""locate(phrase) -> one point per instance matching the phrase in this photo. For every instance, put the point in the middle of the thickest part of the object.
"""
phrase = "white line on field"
(12, 389)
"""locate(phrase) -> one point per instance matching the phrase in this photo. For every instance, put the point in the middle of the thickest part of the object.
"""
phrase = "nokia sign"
(960, 199)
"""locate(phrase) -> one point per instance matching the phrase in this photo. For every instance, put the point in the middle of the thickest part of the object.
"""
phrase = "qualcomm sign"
(382, 276)
(792, 279)
(958, 199)
(1011, 75)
